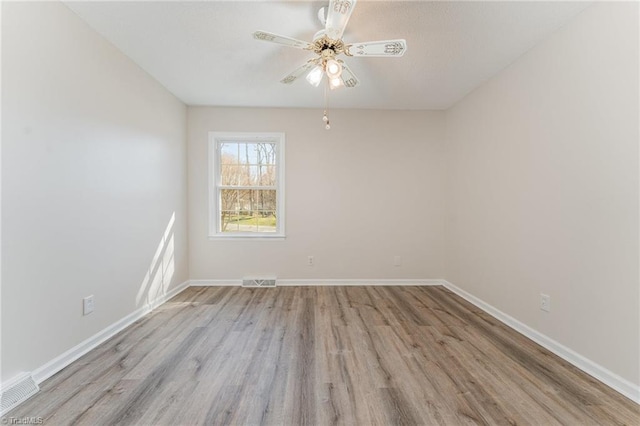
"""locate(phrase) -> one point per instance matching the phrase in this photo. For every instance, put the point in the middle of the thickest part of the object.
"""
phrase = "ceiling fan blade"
(378, 48)
(337, 17)
(300, 71)
(349, 79)
(286, 41)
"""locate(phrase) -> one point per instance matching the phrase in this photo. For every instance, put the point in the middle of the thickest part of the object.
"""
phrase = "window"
(246, 185)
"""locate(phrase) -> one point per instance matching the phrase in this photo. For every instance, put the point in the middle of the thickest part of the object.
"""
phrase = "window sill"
(247, 237)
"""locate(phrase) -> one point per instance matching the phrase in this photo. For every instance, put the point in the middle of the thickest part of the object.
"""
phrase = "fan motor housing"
(328, 47)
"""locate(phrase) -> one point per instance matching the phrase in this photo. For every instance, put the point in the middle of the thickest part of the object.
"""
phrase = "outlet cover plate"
(545, 302)
(87, 305)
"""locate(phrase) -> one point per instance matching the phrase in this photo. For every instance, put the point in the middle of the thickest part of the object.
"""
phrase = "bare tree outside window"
(248, 186)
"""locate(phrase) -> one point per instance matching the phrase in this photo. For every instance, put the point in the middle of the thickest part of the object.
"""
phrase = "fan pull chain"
(325, 117)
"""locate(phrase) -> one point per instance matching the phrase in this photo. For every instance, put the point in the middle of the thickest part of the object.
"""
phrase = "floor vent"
(258, 282)
(16, 391)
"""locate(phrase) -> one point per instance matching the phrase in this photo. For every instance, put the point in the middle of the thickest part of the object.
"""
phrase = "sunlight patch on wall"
(158, 277)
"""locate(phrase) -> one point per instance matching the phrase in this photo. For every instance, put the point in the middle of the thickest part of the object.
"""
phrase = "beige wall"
(543, 188)
(93, 170)
(356, 196)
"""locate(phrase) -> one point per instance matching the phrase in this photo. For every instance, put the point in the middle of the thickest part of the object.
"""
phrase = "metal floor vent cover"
(17, 391)
(258, 282)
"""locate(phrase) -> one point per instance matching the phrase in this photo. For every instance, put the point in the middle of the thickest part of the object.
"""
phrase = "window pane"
(265, 199)
(267, 222)
(244, 175)
(229, 153)
(247, 164)
(248, 153)
(229, 221)
(254, 177)
(266, 153)
(230, 174)
(248, 210)
(245, 201)
(267, 175)
(253, 221)
(249, 223)
(229, 199)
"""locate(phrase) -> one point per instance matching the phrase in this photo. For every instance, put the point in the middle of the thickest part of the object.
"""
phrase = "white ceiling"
(204, 53)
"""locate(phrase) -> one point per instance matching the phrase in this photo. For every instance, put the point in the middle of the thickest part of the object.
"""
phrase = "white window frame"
(215, 138)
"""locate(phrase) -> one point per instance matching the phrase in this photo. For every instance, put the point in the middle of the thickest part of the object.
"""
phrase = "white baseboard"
(619, 384)
(352, 282)
(52, 367)
(322, 282)
(214, 283)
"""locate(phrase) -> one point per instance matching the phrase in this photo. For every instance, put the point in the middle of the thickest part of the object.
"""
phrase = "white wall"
(543, 188)
(356, 196)
(93, 170)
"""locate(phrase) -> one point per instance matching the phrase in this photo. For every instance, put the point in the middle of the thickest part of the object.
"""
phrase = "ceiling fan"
(327, 44)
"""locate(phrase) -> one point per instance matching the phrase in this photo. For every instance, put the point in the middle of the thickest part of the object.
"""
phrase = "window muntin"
(247, 185)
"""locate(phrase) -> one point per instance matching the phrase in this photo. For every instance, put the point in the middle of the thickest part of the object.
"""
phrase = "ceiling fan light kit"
(327, 44)
(315, 76)
(333, 69)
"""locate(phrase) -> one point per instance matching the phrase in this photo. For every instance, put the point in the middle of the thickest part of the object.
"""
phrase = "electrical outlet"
(310, 260)
(545, 302)
(397, 261)
(87, 305)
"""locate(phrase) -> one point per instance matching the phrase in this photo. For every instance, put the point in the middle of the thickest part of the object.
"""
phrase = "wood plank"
(323, 356)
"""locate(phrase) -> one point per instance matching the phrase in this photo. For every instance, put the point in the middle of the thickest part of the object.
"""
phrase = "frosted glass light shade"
(315, 76)
(334, 69)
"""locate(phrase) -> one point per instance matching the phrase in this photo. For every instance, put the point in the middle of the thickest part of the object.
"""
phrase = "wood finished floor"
(321, 356)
